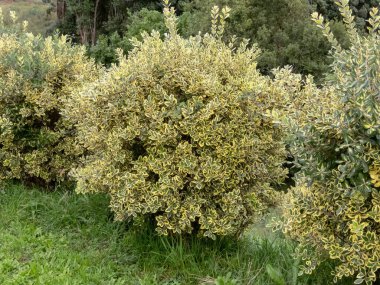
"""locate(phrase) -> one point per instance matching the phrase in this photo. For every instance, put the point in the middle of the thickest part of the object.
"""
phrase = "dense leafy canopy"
(142, 21)
(282, 29)
(360, 8)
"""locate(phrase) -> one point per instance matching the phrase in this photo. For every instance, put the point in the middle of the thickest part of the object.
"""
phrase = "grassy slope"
(62, 238)
(33, 11)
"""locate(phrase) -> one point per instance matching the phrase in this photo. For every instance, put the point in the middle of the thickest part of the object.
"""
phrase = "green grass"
(33, 11)
(63, 238)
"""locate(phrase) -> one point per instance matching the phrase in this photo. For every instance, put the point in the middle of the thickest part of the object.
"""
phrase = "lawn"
(64, 238)
(33, 11)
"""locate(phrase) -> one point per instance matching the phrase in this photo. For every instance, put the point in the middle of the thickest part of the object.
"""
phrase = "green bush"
(281, 28)
(36, 76)
(334, 210)
(105, 50)
(179, 131)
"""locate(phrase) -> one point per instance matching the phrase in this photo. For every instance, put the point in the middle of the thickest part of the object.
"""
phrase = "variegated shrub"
(179, 131)
(36, 77)
(334, 210)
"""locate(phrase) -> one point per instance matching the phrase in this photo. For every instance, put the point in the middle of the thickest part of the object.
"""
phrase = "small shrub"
(180, 131)
(36, 76)
(334, 210)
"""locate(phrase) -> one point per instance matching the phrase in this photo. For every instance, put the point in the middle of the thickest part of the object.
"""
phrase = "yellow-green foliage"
(36, 77)
(334, 211)
(179, 131)
(301, 103)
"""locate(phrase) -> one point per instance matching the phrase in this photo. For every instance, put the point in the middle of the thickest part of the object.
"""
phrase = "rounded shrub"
(334, 210)
(179, 131)
(36, 76)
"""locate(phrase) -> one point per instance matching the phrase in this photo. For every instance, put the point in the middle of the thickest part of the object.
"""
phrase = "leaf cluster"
(334, 209)
(179, 131)
(36, 76)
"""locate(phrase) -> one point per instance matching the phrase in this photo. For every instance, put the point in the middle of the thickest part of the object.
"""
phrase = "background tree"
(61, 9)
(135, 23)
(281, 28)
(86, 19)
(85, 16)
(359, 8)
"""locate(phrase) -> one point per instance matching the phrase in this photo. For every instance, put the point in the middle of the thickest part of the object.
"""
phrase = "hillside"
(36, 12)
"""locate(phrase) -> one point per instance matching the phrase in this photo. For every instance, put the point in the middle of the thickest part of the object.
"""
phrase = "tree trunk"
(93, 37)
(61, 9)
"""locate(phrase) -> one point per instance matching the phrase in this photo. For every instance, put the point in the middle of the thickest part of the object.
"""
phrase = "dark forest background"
(282, 29)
